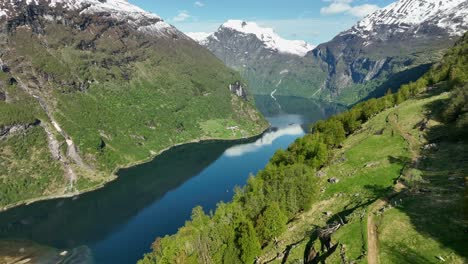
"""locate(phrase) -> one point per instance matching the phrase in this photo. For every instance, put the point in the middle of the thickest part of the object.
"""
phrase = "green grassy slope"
(417, 207)
(119, 97)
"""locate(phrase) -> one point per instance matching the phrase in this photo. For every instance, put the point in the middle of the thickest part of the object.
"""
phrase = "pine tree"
(247, 242)
(271, 223)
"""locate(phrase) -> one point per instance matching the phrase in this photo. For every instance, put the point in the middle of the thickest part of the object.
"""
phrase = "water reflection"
(298, 110)
(267, 139)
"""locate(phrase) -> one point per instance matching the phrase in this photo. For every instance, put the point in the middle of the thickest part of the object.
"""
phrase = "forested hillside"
(384, 181)
(87, 87)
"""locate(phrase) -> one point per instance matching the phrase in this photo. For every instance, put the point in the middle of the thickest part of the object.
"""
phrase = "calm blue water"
(215, 183)
(119, 222)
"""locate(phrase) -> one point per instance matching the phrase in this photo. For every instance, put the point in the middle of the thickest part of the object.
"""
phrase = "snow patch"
(199, 37)
(118, 8)
(447, 14)
(269, 37)
(158, 28)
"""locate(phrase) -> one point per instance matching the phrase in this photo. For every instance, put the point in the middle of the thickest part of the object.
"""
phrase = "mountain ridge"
(392, 46)
(268, 36)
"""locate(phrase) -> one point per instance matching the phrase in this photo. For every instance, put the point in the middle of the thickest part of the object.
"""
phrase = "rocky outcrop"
(237, 89)
(7, 131)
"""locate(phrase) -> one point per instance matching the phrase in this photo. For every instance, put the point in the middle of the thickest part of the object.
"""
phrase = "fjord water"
(119, 222)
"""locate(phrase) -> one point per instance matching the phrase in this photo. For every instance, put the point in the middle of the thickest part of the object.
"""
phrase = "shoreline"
(114, 176)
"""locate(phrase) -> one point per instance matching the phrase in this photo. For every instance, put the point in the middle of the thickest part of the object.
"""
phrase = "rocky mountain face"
(266, 60)
(394, 45)
(106, 85)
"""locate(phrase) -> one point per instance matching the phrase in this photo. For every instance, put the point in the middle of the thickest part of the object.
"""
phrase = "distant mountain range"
(391, 46)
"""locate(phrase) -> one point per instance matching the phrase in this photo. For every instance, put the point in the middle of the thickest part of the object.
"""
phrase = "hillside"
(384, 182)
(87, 87)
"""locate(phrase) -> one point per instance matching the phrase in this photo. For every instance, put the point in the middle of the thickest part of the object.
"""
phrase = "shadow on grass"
(440, 211)
(400, 160)
(404, 254)
(340, 217)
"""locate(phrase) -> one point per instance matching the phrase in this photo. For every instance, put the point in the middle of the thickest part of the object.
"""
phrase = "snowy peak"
(115, 7)
(199, 37)
(119, 10)
(451, 15)
(268, 36)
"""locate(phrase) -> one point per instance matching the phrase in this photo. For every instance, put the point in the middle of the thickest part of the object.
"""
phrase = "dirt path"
(372, 229)
(372, 233)
(412, 142)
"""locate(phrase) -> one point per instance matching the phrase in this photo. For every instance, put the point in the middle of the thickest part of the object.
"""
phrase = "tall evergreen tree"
(247, 242)
(271, 223)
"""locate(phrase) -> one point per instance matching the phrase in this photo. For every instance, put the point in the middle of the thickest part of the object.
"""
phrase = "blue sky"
(315, 21)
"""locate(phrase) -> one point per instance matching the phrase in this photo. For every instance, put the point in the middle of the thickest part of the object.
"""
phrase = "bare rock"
(333, 180)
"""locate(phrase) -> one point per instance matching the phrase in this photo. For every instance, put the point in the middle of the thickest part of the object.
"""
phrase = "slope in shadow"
(437, 208)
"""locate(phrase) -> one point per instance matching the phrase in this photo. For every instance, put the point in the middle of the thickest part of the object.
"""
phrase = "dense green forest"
(249, 227)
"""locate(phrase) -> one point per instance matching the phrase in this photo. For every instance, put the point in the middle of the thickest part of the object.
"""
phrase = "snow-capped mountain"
(391, 46)
(199, 37)
(119, 10)
(270, 39)
(413, 15)
(268, 61)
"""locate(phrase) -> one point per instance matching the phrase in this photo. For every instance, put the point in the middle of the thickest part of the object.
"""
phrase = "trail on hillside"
(412, 142)
(372, 233)
(372, 228)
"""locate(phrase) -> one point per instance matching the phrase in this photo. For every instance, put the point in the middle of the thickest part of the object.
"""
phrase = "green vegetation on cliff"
(93, 95)
(388, 164)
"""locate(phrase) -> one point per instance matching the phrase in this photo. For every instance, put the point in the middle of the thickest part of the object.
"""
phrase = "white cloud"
(346, 7)
(199, 4)
(181, 16)
(335, 8)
